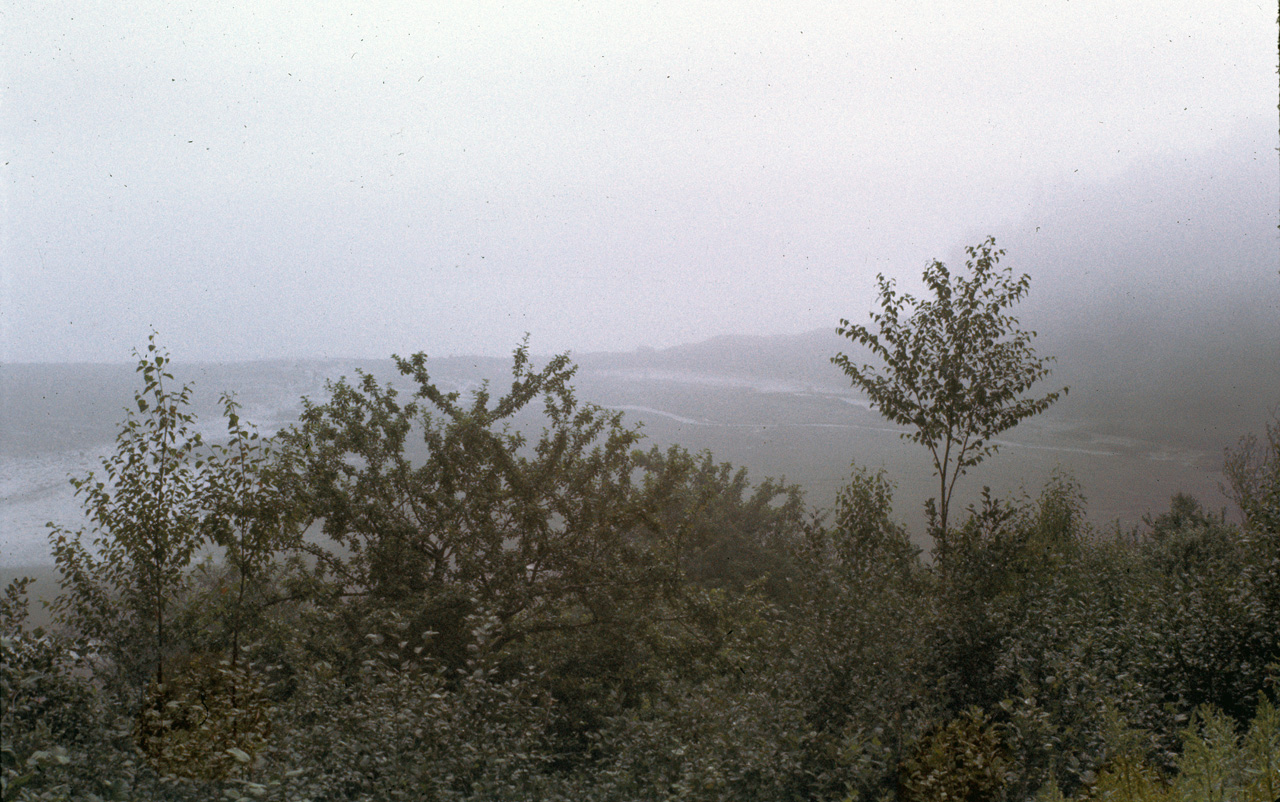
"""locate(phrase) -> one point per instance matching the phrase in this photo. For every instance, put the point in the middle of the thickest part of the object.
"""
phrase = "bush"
(1216, 765)
(964, 760)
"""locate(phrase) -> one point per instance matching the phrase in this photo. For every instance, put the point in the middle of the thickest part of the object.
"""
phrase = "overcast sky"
(362, 178)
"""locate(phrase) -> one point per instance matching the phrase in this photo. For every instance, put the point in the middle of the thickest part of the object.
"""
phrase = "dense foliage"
(437, 597)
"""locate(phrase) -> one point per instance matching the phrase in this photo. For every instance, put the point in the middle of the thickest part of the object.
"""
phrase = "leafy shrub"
(206, 723)
(408, 731)
(61, 737)
(1216, 765)
(859, 643)
(963, 760)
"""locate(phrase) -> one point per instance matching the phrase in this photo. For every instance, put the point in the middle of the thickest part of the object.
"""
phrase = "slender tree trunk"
(159, 642)
(235, 623)
(945, 503)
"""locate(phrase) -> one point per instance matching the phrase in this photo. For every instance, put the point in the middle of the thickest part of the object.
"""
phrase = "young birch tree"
(145, 508)
(956, 365)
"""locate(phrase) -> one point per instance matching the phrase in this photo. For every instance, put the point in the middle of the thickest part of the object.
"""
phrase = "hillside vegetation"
(403, 596)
